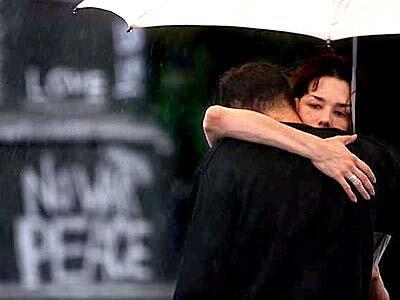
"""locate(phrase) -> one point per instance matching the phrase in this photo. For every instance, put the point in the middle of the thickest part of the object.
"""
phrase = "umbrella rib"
(341, 6)
(149, 10)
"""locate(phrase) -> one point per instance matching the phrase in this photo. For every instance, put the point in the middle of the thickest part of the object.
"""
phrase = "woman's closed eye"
(315, 105)
(341, 114)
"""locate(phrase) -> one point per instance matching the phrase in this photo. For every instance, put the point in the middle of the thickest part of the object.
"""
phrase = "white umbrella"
(323, 19)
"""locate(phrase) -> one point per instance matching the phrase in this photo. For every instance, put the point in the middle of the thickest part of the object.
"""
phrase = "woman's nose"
(324, 120)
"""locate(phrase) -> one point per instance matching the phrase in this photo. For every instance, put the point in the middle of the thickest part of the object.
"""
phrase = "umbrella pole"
(354, 85)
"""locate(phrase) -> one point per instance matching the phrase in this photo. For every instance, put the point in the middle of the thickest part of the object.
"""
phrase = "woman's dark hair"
(331, 65)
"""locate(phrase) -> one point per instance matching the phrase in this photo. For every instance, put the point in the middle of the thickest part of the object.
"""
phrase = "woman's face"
(327, 104)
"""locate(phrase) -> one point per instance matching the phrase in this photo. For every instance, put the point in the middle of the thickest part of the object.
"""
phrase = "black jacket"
(268, 225)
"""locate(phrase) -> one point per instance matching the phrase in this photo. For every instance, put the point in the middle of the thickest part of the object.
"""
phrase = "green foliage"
(179, 101)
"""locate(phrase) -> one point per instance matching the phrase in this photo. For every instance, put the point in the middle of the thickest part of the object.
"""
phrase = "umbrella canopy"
(324, 19)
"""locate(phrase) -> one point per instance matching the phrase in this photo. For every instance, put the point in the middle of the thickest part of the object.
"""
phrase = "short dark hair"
(258, 86)
(330, 64)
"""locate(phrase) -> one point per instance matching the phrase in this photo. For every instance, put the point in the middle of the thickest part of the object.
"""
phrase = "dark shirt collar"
(317, 131)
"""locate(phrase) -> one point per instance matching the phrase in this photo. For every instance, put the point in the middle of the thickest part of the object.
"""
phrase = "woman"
(321, 93)
(321, 97)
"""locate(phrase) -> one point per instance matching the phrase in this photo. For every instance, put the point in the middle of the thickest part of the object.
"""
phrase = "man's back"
(268, 225)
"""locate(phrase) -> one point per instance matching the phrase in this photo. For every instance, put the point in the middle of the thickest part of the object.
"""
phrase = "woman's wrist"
(316, 148)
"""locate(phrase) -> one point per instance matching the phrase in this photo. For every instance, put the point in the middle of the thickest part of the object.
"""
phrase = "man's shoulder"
(229, 149)
(234, 148)
(374, 143)
(239, 156)
(368, 148)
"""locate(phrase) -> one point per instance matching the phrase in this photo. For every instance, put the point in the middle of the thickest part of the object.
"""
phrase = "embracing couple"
(272, 219)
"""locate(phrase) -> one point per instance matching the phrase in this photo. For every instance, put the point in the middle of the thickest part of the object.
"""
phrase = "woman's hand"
(336, 161)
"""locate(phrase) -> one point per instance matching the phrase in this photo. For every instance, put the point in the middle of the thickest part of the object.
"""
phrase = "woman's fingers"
(348, 139)
(365, 181)
(365, 169)
(346, 187)
(358, 185)
(346, 168)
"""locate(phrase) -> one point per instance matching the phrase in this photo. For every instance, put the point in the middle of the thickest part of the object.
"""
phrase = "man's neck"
(284, 115)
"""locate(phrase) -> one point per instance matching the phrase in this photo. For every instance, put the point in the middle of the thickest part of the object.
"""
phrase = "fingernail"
(368, 197)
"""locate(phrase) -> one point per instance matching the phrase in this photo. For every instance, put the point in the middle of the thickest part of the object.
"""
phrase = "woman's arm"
(243, 124)
(330, 155)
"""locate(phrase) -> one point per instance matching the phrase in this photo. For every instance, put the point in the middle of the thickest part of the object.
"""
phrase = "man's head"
(258, 86)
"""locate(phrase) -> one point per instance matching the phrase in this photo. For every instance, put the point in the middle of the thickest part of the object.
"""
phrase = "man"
(268, 225)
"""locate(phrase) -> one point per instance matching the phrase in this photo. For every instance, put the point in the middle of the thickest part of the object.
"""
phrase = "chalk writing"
(75, 229)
